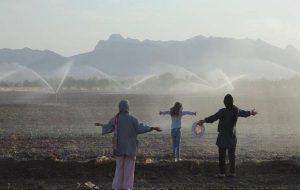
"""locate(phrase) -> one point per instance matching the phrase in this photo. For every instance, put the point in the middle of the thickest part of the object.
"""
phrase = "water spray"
(103, 74)
(141, 81)
(285, 68)
(5, 75)
(226, 78)
(184, 70)
(36, 74)
(231, 81)
(67, 68)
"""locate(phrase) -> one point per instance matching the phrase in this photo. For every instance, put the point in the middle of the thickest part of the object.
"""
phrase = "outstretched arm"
(164, 113)
(188, 113)
(106, 128)
(140, 128)
(243, 113)
(211, 118)
(99, 124)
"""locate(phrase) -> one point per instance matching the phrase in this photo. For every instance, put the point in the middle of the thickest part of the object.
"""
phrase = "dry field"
(54, 145)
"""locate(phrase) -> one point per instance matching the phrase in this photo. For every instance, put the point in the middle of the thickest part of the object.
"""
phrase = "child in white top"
(176, 114)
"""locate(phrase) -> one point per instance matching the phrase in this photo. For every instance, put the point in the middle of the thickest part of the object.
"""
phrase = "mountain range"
(119, 58)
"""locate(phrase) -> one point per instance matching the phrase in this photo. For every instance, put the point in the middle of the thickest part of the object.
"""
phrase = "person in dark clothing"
(227, 139)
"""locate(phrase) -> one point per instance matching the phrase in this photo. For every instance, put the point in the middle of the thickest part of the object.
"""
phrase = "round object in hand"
(198, 130)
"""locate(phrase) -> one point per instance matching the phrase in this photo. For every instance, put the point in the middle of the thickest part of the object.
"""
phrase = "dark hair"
(228, 101)
(176, 109)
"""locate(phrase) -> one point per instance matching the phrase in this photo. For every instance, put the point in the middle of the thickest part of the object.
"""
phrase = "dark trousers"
(222, 159)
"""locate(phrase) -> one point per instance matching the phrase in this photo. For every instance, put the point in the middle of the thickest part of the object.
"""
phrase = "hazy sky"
(69, 27)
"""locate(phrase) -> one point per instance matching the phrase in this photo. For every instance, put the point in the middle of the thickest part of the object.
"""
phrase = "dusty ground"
(52, 145)
(63, 162)
(50, 174)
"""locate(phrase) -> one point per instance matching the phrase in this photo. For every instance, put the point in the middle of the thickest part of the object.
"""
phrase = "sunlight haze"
(69, 27)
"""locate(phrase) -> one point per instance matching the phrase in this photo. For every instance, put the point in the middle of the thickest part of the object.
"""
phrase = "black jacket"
(226, 128)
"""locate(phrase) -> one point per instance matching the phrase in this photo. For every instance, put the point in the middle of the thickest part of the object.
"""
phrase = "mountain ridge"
(127, 57)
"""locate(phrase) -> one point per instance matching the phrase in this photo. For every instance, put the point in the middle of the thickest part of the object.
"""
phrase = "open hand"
(158, 129)
(201, 122)
(253, 112)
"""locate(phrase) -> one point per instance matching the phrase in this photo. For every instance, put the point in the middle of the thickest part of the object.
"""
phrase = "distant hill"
(129, 57)
(200, 56)
(43, 62)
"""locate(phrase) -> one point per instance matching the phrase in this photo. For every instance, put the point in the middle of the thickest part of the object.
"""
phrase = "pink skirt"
(124, 174)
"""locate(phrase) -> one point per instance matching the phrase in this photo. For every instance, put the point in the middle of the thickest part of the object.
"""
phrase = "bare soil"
(63, 162)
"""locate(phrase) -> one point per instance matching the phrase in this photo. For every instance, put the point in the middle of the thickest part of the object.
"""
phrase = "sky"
(70, 27)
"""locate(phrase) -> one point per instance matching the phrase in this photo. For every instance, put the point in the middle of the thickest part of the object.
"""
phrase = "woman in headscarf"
(227, 133)
(125, 128)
